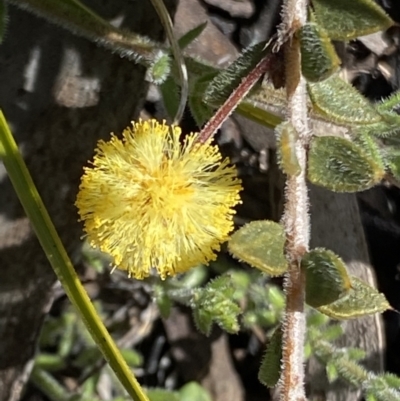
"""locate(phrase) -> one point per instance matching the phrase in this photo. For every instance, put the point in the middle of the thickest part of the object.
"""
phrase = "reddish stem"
(234, 99)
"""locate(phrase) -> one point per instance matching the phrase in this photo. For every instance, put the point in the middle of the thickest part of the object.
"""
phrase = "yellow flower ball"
(150, 201)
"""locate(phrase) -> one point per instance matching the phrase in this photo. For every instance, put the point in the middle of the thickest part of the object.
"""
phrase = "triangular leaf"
(261, 245)
(341, 166)
(227, 80)
(361, 300)
(270, 368)
(318, 57)
(326, 277)
(345, 20)
(191, 35)
(342, 103)
(286, 137)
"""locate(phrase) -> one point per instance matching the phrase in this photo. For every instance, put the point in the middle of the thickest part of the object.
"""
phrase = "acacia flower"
(150, 201)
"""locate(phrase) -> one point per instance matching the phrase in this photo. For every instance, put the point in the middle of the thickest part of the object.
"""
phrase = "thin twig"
(296, 218)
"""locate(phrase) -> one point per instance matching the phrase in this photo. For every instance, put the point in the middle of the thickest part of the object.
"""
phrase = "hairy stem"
(296, 218)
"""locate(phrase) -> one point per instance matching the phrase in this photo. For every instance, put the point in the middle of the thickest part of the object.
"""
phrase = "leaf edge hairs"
(150, 200)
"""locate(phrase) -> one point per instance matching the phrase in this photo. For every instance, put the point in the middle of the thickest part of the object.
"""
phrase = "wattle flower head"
(150, 201)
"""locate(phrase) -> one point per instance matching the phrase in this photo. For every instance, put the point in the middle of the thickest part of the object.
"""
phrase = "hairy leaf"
(270, 368)
(327, 279)
(203, 320)
(286, 137)
(261, 245)
(200, 110)
(370, 147)
(361, 300)
(81, 20)
(392, 380)
(318, 57)
(227, 80)
(387, 127)
(392, 159)
(341, 166)
(215, 303)
(342, 103)
(331, 372)
(159, 68)
(391, 103)
(345, 20)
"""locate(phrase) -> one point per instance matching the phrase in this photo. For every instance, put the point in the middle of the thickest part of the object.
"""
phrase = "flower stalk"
(296, 217)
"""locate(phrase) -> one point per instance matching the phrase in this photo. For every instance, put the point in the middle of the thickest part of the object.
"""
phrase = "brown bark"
(60, 95)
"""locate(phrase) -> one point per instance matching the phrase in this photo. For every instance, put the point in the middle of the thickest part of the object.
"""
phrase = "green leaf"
(371, 148)
(170, 94)
(215, 303)
(132, 357)
(370, 397)
(286, 138)
(332, 332)
(356, 354)
(331, 372)
(391, 103)
(361, 300)
(159, 68)
(3, 19)
(227, 80)
(163, 301)
(339, 165)
(50, 362)
(340, 102)
(316, 319)
(203, 320)
(392, 159)
(345, 20)
(270, 368)
(159, 394)
(327, 279)
(261, 245)
(192, 391)
(392, 380)
(81, 20)
(276, 298)
(318, 56)
(200, 110)
(186, 39)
